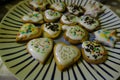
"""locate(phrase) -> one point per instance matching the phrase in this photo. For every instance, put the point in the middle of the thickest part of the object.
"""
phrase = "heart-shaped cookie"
(51, 15)
(65, 55)
(40, 48)
(28, 31)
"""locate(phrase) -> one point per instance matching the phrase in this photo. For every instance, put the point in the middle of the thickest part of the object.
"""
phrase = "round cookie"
(93, 52)
(40, 48)
(75, 34)
(89, 22)
(51, 15)
(27, 32)
(51, 30)
(65, 55)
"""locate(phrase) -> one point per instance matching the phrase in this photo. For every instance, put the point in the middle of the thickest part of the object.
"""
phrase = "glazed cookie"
(65, 56)
(51, 15)
(94, 8)
(74, 9)
(75, 34)
(39, 4)
(93, 52)
(51, 30)
(58, 6)
(34, 17)
(69, 19)
(107, 37)
(40, 48)
(28, 31)
(89, 22)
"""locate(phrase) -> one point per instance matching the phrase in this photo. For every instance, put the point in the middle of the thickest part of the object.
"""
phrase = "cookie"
(89, 22)
(40, 48)
(93, 52)
(65, 55)
(107, 37)
(34, 17)
(39, 5)
(28, 31)
(51, 30)
(58, 6)
(94, 8)
(75, 34)
(51, 15)
(74, 9)
(69, 19)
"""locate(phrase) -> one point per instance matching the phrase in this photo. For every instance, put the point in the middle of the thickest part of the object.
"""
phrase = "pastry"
(94, 8)
(65, 55)
(58, 6)
(93, 52)
(74, 9)
(40, 48)
(28, 31)
(51, 15)
(69, 19)
(51, 30)
(34, 17)
(107, 37)
(89, 22)
(75, 34)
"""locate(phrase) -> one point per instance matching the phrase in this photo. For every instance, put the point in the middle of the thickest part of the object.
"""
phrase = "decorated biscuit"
(89, 22)
(65, 56)
(107, 37)
(74, 9)
(93, 52)
(58, 6)
(51, 15)
(34, 17)
(28, 31)
(51, 30)
(40, 48)
(69, 19)
(75, 34)
(94, 8)
(39, 4)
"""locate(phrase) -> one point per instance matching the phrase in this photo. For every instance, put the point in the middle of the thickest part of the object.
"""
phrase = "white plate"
(24, 66)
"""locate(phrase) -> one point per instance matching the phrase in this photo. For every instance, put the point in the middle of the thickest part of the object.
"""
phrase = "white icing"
(86, 24)
(65, 54)
(36, 3)
(71, 21)
(49, 31)
(74, 32)
(105, 36)
(51, 15)
(40, 48)
(58, 6)
(92, 53)
(32, 17)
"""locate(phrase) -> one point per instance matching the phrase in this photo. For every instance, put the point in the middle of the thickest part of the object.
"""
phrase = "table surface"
(4, 8)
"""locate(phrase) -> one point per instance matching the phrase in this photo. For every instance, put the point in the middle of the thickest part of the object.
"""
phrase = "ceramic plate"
(25, 67)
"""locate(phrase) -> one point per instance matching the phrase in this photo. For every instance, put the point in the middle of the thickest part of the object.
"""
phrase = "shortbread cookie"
(94, 8)
(89, 22)
(69, 19)
(34, 17)
(51, 15)
(74, 9)
(93, 52)
(107, 37)
(65, 56)
(40, 48)
(39, 4)
(51, 30)
(28, 31)
(75, 34)
(58, 6)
